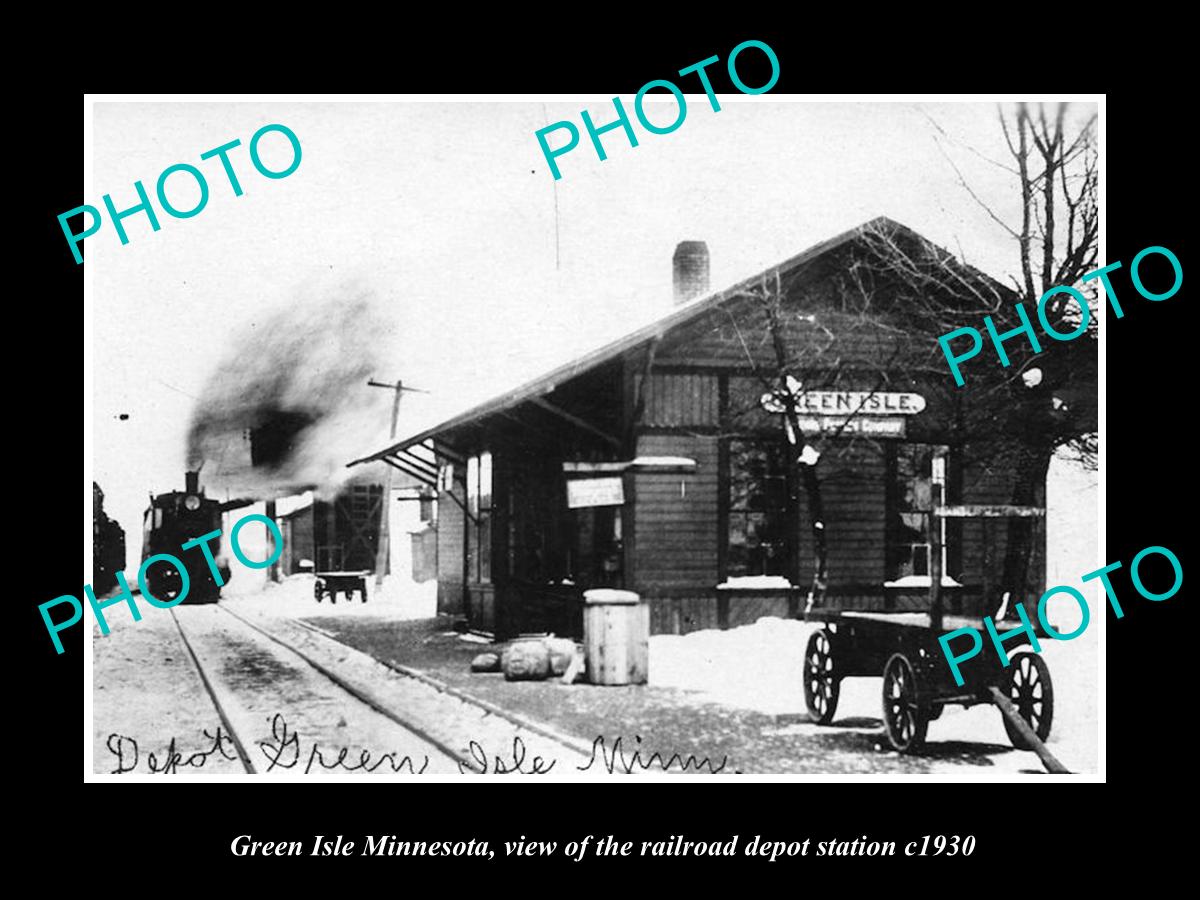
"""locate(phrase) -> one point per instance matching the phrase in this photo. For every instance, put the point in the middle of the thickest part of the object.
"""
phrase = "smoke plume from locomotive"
(288, 406)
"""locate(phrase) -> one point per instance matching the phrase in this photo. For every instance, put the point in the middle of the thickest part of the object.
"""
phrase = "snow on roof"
(754, 583)
(285, 506)
(664, 461)
(919, 581)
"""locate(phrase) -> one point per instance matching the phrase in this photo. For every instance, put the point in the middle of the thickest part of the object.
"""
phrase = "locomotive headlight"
(192, 502)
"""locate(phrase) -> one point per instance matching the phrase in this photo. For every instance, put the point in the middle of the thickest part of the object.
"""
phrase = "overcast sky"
(445, 213)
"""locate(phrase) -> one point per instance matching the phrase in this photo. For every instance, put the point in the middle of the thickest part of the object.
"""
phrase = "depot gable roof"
(693, 310)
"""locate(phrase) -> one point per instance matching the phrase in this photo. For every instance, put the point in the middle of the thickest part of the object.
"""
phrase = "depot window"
(910, 512)
(479, 526)
(758, 508)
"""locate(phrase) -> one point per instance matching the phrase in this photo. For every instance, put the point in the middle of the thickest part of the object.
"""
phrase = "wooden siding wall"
(450, 551)
(683, 615)
(684, 399)
(298, 540)
(697, 611)
(853, 491)
(984, 540)
(676, 529)
(679, 545)
(734, 339)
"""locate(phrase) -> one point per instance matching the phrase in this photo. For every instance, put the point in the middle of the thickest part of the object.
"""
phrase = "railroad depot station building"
(652, 464)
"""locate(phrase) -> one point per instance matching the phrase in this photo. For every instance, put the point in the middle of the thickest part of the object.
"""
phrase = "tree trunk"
(806, 474)
(816, 515)
(1028, 489)
(795, 436)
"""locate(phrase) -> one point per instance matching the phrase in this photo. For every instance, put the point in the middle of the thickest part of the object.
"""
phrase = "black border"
(1028, 832)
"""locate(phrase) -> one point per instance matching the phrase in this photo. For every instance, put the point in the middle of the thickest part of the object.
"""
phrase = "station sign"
(873, 426)
(866, 403)
(584, 492)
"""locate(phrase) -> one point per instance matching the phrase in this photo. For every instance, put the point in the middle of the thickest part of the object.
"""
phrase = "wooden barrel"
(616, 637)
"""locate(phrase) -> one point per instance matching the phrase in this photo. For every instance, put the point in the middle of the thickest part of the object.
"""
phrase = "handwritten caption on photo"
(286, 750)
(222, 153)
(124, 595)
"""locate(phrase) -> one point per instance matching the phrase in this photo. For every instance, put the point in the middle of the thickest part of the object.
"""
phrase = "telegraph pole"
(383, 550)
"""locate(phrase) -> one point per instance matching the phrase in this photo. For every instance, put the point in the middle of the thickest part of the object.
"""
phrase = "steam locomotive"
(171, 521)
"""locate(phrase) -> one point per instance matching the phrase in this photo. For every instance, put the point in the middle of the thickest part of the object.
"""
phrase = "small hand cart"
(333, 583)
(917, 679)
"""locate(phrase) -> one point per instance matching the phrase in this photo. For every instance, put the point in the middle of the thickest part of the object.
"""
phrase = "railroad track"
(243, 756)
(294, 700)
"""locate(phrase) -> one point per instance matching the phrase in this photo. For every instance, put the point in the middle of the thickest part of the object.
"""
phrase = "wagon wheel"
(317, 590)
(1032, 693)
(905, 714)
(821, 683)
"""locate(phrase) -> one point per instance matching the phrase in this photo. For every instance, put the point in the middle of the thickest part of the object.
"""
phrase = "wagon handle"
(1014, 718)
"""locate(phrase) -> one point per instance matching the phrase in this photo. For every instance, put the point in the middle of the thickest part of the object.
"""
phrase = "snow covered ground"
(398, 598)
(760, 667)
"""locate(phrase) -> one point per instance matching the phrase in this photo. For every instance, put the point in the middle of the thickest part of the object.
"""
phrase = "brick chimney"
(691, 271)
